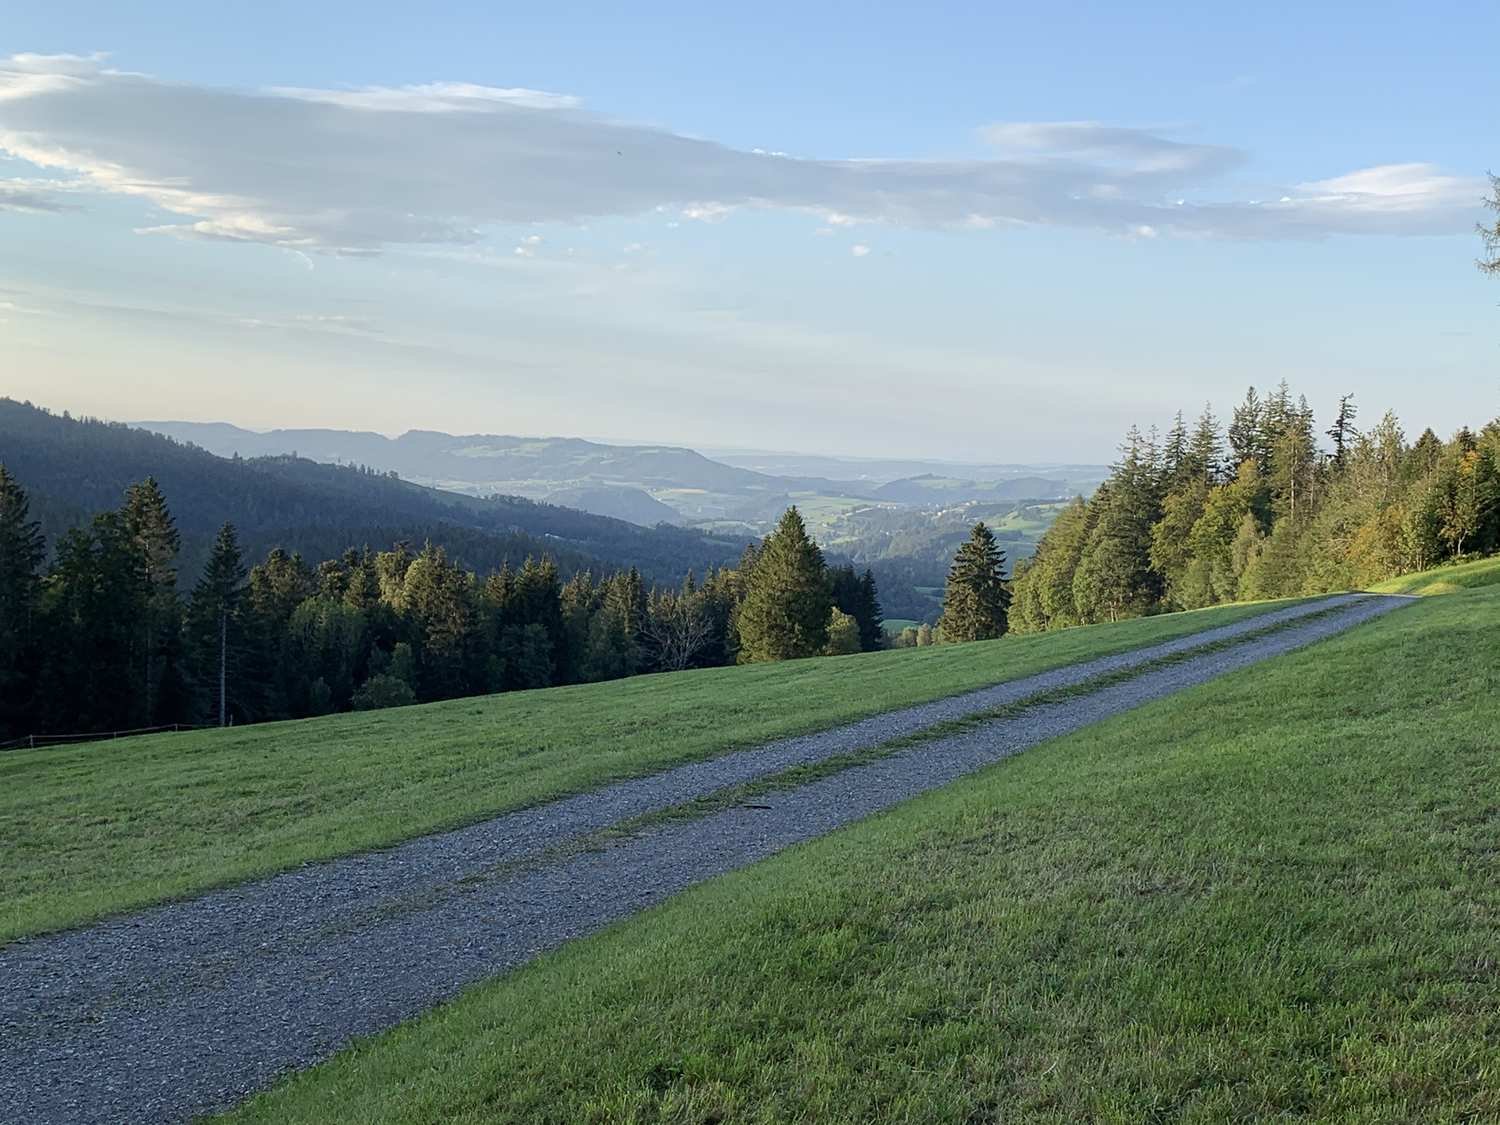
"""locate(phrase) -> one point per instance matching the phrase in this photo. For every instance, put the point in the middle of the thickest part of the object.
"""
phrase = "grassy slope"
(92, 830)
(1445, 579)
(1275, 896)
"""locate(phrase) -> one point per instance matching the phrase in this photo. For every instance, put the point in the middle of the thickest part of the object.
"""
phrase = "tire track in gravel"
(190, 1007)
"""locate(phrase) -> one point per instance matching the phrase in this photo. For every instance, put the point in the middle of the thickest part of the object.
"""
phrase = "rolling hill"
(485, 464)
(74, 467)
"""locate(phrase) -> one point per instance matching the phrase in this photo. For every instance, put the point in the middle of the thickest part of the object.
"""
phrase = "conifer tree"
(976, 600)
(785, 612)
(21, 552)
(1206, 449)
(214, 626)
(868, 613)
(1342, 431)
(1490, 263)
(1245, 427)
(155, 541)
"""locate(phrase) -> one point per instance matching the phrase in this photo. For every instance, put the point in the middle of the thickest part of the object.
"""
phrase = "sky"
(987, 232)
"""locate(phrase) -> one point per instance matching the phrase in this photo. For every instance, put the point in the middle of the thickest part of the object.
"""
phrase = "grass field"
(97, 829)
(1445, 579)
(1275, 896)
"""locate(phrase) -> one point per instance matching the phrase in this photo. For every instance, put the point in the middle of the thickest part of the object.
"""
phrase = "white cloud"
(1391, 189)
(859, 249)
(434, 97)
(351, 171)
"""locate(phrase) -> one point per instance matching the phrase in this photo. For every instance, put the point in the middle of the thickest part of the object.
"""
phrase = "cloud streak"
(355, 171)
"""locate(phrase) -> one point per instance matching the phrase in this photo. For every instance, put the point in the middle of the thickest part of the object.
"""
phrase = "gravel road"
(185, 1008)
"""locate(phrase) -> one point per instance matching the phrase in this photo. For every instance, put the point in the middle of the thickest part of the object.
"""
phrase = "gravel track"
(189, 1007)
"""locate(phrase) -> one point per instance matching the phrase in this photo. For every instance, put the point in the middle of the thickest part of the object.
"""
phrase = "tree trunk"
(223, 646)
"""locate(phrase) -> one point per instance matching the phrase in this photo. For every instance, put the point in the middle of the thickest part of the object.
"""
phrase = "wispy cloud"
(352, 171)
(31, 195)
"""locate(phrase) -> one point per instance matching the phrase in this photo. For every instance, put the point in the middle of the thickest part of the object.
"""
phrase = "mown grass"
(1276, 896)
(92, 830)
(1445, 579)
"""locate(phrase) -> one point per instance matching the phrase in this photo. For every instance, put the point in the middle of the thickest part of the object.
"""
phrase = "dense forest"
(1263, 509)
(105, 637)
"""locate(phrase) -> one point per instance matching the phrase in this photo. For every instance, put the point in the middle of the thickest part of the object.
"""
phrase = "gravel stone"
(190, 1007)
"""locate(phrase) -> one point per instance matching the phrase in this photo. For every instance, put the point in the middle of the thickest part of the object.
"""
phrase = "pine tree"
(1342, 431)
(1490, 263)
(1293, 460)
(1206, 449)
(976, 601)
(785, 612)
(215, 630)
(868, 613)
(21, 552)
(1245, 427)
(154, 537)
(855, 595)
(1175, 458)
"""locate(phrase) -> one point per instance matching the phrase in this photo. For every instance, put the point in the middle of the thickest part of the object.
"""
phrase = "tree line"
(105, 637)
(1262, 509)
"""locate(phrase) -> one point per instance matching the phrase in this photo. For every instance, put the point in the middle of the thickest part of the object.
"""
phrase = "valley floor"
(189, 1007)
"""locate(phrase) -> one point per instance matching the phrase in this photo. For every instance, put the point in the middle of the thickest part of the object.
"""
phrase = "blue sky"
(968, 231)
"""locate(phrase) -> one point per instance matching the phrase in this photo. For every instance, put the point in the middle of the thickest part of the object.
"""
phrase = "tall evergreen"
(1245, 428)
(1490, 262)
(155, 541)
(855, 594)
(1206, 447)
(1342, 431)
(976, 600)
(215, 630)
(785, 612)
(22, 550)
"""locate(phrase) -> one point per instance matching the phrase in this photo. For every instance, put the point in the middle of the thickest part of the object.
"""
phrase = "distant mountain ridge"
(482, 462)
(645, 484)
(74, 467)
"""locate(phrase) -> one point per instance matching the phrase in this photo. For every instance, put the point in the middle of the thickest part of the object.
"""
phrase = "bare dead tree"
(677, 631)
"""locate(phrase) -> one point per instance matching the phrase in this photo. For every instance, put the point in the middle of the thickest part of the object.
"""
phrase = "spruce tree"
(868, 613)
(1342, 431)
(215, 630)
(1245, 427)
(21, 552)
(1206, 449)
(1490, 263)
(155, 540)
(976, 601)
(785, 612)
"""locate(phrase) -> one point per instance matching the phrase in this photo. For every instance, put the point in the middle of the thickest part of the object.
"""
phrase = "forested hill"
(74, 467)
